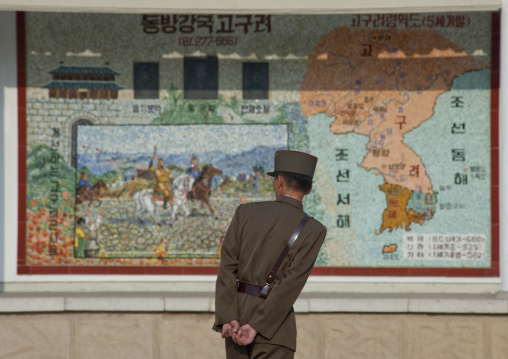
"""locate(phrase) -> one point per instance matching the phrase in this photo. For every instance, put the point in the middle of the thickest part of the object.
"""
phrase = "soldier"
(261, 273)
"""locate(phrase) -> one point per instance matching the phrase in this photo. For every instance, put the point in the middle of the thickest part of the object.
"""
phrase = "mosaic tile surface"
(122, 109)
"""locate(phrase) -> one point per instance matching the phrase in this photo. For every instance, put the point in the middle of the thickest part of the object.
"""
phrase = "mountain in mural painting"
(231, 164)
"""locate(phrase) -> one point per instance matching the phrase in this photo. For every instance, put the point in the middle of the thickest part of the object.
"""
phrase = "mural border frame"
(24, 269)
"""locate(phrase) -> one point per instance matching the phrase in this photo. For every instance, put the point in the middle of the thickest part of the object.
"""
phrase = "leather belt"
(249, 288)
(263, 291)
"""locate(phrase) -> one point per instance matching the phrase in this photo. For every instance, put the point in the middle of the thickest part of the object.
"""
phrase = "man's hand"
(245, 335)
(230, 329)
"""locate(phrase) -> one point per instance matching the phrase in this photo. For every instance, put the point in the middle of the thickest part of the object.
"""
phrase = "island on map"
(383, 84)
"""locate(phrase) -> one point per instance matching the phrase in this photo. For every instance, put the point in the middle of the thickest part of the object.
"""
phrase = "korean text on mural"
(219, 24)
(410, 21)
(444, 247)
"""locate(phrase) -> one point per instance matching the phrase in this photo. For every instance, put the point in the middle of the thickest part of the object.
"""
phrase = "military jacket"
(255, 238)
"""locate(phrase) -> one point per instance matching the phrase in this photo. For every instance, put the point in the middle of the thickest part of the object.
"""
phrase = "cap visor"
(271, 174)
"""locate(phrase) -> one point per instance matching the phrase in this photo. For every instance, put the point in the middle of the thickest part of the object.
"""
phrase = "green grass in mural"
(177, 110)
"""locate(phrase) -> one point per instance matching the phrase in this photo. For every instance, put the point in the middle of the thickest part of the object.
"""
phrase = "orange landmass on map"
(395, 215)
(383, 84)
(392, 248)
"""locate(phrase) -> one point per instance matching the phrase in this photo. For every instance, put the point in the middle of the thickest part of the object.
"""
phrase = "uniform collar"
(290, 200)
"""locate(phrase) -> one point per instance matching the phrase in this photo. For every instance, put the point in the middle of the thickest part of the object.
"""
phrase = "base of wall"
(172, 335)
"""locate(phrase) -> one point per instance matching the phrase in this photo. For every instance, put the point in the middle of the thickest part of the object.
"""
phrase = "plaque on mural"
(141, 145)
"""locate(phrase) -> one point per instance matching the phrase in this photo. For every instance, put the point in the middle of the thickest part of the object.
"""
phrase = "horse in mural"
(147, 202)
(92, 194)
(202, 188)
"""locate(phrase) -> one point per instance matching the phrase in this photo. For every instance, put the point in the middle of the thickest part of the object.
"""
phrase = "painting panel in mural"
(399, 117)
(157, 193)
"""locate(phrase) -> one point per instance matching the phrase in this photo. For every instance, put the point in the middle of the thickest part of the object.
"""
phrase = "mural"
(177, 201)
(145, 132)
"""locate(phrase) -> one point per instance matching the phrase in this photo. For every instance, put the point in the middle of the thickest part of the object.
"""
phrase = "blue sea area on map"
(435, 142)
(367, 202)
(461, 180)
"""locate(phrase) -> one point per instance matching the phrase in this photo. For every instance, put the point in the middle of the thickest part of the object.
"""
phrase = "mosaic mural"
(166, 204)
(144, 132)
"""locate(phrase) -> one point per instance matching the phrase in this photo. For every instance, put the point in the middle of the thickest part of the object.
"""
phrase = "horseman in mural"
(202, 188)
(86, 192)
(163, 176)
(147, 201)
(194, 168)
(83, 181)
(193, 171)
(146, 204)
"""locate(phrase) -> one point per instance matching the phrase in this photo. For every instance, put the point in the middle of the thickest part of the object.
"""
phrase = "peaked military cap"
(294, 162)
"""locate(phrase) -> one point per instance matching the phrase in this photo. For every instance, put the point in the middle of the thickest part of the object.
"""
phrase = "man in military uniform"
(162, 178)
(256, 319)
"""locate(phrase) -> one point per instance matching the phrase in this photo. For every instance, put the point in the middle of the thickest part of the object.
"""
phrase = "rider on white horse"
(145, 202)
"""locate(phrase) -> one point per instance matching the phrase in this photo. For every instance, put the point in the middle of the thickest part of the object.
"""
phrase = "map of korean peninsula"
(383, 84)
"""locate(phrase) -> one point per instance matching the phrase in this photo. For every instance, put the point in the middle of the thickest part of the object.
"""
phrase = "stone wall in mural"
(144, 132)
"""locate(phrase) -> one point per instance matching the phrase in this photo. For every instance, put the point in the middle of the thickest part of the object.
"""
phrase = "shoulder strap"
(285, 251)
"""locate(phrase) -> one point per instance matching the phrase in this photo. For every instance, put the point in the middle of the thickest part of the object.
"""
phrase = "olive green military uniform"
(256, 237)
